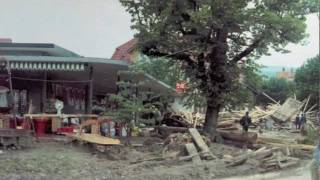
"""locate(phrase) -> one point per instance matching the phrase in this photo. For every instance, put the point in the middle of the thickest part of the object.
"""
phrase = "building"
(288, 75)
(127, 51)
(41, 72)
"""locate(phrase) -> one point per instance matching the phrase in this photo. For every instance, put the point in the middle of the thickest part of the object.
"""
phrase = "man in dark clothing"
(245, 122)
(297, 122)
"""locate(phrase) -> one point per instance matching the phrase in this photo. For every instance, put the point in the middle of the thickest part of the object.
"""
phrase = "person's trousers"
(245, 128)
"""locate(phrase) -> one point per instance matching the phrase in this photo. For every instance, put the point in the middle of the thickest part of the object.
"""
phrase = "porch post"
(90, 92)
(44, 92)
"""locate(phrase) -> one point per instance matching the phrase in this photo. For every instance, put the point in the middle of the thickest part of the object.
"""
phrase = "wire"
(45, 80)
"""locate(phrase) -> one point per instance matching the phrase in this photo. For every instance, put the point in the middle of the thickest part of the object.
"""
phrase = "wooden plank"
(94, 138)
(293, 146)
(192, 151)
(205, 151)
(304, 109)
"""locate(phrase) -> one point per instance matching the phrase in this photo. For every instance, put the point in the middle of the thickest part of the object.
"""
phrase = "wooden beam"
(304, 109)
(270, 98)
(44, 92)
(192, 151)
(205, 151)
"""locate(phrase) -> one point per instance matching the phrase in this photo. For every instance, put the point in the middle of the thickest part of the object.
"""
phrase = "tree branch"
(248, 50)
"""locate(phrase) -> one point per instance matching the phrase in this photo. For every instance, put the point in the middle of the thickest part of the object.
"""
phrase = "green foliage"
(307, 79)
(278, 89)
(130, 105)
(244, 93)
(135, 101)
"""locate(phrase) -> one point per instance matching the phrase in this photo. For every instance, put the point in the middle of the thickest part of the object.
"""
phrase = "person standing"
(297, 122)
(245, 122)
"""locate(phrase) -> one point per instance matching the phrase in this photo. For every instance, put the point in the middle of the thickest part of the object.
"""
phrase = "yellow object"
(95, 138)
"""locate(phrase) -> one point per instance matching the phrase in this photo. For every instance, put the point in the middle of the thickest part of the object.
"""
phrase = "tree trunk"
(211, 121)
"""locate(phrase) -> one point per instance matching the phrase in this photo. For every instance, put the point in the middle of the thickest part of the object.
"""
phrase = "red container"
(40, 126)
(65, 130)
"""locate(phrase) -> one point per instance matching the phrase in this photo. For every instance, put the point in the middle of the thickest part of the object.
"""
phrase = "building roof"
(76, 68)
(60, 59)
(123, 52)
(47, 49)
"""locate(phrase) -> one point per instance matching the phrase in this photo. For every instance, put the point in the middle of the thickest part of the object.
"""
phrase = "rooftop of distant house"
(124, 51)
(286, 74)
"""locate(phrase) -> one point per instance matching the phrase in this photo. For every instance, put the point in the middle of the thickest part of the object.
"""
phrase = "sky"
(94, 28)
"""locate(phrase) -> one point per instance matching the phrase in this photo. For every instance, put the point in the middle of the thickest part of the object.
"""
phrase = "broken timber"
(95, 138)
(205, 151)
(192, 151)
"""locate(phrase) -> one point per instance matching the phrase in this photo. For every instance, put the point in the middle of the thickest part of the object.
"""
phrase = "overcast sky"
(96, 27)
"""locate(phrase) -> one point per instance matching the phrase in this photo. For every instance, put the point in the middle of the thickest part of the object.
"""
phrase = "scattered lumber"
(302, 147)
(261, 154)
(225, 124)
(264, 140)
(236, 161)
(288, 164)
(192, 151)
(149, 159)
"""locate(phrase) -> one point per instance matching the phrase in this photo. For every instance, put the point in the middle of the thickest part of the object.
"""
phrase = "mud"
(56, 160)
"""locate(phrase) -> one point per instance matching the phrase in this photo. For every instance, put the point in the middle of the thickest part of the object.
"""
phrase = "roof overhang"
(48, 48)
(104, 74)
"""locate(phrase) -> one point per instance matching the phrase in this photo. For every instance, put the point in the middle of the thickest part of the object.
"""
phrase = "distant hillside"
(271, 71)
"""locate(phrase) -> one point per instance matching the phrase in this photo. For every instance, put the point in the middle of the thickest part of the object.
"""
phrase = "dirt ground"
(50, 160)
(299, 173)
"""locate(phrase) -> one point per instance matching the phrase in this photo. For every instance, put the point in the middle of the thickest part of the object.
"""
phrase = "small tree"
(129, 104)
(134, 101)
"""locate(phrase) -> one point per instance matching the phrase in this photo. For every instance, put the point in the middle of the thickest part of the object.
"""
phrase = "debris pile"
(267, 159)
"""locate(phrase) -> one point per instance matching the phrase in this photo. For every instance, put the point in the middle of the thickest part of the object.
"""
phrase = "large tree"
(307, 80)
(211, 37)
